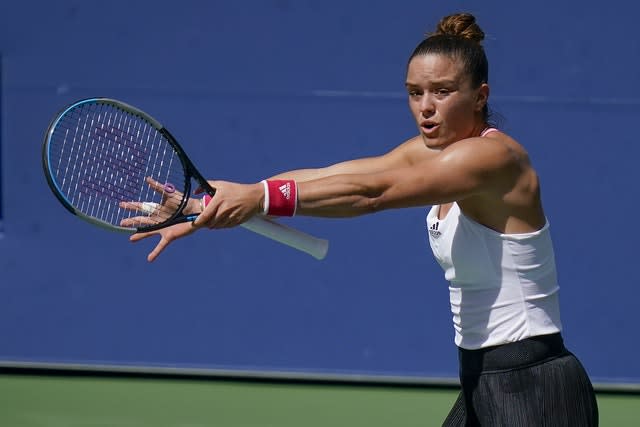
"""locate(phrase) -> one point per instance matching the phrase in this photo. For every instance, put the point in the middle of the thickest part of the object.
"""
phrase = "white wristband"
(265, 207)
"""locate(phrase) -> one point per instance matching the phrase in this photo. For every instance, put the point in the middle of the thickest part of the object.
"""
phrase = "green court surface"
(80, 401)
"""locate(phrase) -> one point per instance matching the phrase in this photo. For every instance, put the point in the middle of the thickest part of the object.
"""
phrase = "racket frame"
(189, 169)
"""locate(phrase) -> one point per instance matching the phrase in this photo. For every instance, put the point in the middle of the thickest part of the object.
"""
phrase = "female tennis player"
(487, 229)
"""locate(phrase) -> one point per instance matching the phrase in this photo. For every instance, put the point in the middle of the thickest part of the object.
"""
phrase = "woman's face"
(443, 103)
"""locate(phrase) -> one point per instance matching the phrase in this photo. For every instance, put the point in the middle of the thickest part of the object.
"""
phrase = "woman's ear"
(483, 96)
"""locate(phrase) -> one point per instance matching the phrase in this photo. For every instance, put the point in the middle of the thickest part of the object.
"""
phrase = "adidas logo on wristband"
(280, 197)
(286, 190)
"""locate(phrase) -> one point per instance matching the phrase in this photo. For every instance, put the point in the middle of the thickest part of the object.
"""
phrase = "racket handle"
(297, 239)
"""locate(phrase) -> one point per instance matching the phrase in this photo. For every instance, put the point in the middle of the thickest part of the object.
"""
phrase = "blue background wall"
(256, 87)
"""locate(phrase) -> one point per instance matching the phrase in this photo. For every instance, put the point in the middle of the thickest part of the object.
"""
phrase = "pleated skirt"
(535, 382)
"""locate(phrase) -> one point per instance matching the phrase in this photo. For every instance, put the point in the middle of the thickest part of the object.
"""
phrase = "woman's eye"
(442, 92)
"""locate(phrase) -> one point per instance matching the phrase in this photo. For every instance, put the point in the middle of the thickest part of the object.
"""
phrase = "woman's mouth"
(428, 127)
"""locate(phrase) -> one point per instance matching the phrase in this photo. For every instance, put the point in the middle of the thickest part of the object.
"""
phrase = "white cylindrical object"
(304, 242)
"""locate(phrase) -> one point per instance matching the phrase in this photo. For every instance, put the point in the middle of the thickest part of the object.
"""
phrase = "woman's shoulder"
(496, 149)
(505, 140)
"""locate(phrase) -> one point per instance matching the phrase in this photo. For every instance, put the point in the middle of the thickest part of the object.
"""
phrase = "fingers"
(162, 244)
(166, 189)
(210, 219)
(157, 250)
(146, 207)
(167, 235)
(131, 206)
(149, 207)
(230, 206)
(139, 236)
(160, 188)
(138, 221)
(213, 222)
(155, 213)
(205, 217)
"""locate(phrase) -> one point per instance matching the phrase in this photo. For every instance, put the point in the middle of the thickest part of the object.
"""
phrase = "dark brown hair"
(459, 37)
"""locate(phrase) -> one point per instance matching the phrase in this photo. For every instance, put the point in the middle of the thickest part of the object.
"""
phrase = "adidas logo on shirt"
(433, 230)
(285, 189)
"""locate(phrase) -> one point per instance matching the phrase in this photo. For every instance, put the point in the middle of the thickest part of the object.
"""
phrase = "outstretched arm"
(470, 167)
(229, 210)
(403, 155)
(456, 173)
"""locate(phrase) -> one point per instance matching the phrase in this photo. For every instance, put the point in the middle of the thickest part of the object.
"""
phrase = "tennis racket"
(115, 166)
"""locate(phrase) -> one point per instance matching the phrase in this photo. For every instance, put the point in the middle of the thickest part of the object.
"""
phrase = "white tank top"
(502, 287)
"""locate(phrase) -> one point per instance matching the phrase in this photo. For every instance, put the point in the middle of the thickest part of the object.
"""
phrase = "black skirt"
(529, 383)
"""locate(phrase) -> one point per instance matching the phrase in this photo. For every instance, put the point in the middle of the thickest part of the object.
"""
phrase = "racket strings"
(102, 157)
(91, 164)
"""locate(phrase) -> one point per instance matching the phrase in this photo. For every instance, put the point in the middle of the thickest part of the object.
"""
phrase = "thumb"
(162, 244)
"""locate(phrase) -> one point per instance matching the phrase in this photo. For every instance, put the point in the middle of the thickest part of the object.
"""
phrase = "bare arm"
(403, 155)
(468, 168)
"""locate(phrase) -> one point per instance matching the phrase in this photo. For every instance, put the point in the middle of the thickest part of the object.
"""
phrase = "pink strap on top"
(488, 130)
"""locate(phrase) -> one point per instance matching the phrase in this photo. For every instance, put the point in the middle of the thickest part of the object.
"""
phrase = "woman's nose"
(427, 106)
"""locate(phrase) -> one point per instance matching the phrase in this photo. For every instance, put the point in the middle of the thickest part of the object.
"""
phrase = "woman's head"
(447, 78)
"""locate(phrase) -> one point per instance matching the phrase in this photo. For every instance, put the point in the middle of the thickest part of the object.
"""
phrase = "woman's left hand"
(167, 235)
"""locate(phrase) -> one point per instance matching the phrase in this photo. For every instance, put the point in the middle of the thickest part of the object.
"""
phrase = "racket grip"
(297, 239)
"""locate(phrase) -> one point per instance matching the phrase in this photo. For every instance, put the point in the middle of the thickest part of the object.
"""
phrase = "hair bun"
(460, 25)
